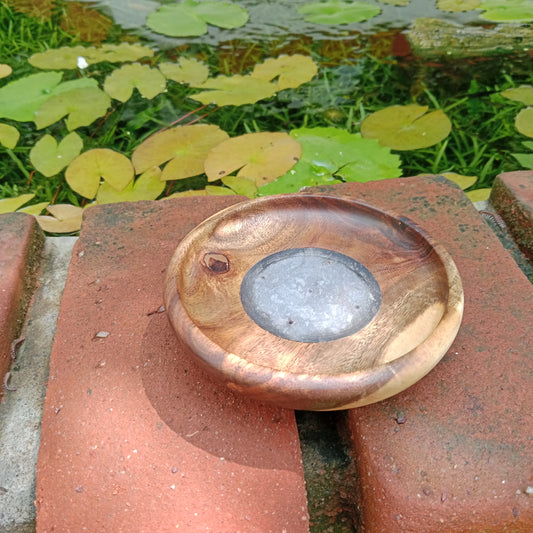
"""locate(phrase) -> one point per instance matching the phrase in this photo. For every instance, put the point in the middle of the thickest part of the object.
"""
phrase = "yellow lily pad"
(522, 94)
(8, 205)
(455, 6)
(5, 70)
(187, 194)
(463, 181)
(83, 107)
(85, 171)
(9, 136)
(407, 127)
(290, 71)
(234, 90)
(184, 147)
(242, 186)
(121, 82)
(479, 195)
(188, 71)
(215, 190)
(524, 121)
(262, 157)
(49, 158)
(65, 218)
(148, 186)
(34, 209)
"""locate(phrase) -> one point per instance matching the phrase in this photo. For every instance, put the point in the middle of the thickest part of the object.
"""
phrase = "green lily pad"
(507, 10)
(9, 136)
(188, 71)
(522, 94)
(407, 127)
(242, 186)
(67, 57)
(49, 158)
(336, 12)
(525, 160)
(121, 82)
(65, 218)
(215, 190)
(262, 157)
(83, 107)
(184, 147)
(234, 90)
(148, 186)
(290, 71)
(524, 121)
(8, 205)
(190, 18)
(85, 171)
(456, 6)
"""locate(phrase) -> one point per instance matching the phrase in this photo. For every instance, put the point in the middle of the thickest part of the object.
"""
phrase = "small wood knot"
(216, 262)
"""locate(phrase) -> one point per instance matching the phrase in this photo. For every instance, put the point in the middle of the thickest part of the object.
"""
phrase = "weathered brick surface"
(454, 452)
(21, 241)
(135, 437)
(512, 196)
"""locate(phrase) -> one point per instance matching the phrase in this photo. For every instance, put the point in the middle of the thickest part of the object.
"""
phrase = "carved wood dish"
(313, 302)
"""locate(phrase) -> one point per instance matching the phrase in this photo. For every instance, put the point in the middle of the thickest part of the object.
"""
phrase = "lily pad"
(463, 181)
(262, 157)
(148, 186)
(190, 18)
(188, 71)
(185, 147)
(83, 107)
(49, 158)
(20, 99)
(121, 82)
(234, 90)
(5, 70)
(8, 205)
(215, 190)
(9, 136)
(336, 12)
(65, 218)
(85, 171)
(522, 94)
(395, 2)
(34, 209)
(479, 195)
(524, 121)
(525, 160)
(242, 186)
(507, 10)
(456, 6)
(290, 71)
(407, 127)
(67, 57)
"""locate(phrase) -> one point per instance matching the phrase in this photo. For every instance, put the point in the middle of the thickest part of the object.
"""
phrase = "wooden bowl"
(313, 302)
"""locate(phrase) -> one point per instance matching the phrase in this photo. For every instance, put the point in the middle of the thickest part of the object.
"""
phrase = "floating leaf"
(479, 195)
(190, 18)
(67, 57)
(234, 90)
(65, 218)
(186, 70)
(336, 12)
(83, 107)
(34, 209)
(5, 70)
(121, 82)
(291, 71)
(507, 10)
(147, 186)
(522, 94)
(455, 6)
(85, 171)
(8, 205)
(9, 136)
(49, 158)
(214, 190)
(397, 2)
(524, 121)
(85, 23)
(186, 194)
(406, 127)
(185, 147)
(463, 181)
(262, 157)
(242, 186)
(525, 160)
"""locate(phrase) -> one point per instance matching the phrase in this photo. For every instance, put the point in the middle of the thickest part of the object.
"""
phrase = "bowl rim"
(350, 389)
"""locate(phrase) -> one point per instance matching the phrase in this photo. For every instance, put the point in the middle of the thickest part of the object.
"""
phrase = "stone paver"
(135, 437)
(21, 241)
(453, 452)
(512, 196)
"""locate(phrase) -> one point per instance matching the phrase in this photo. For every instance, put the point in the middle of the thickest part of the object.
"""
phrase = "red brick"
(453, 452)
(135, 437)
(512, 196)
(21, 241)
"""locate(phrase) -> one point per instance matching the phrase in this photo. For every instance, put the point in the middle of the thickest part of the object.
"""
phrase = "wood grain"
(420, 313)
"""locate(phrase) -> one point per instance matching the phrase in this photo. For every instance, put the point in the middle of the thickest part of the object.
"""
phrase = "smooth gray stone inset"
(310, 295)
